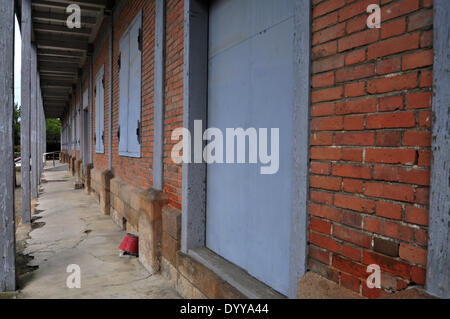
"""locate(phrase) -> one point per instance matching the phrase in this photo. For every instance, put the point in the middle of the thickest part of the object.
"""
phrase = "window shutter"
(99, 93)
(102, 113)
(74, 134)
(85, 99)
(123, 93)
(78, 126)
(97, 119)
(134, 107)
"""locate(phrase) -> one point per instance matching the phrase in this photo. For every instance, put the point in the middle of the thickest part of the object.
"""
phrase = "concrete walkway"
(70, 229)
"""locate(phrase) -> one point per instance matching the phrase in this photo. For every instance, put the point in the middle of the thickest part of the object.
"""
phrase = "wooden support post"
(25, 111)
(158, 149)
(438, 264)
(91, 109)
(42, 129)
(81, 121)
(41, 122)
(33, 124)
(38, 131)
(7, 225)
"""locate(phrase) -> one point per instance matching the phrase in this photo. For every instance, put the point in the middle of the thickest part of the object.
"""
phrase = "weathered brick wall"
(101, 159)
(174, 68)
(370, 142)
(136, 171)
(76, 154)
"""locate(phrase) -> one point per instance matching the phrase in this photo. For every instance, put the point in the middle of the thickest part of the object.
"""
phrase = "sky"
(17, 62)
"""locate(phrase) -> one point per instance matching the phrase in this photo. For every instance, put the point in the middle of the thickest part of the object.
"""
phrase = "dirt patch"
(18, 204)
(24, 272)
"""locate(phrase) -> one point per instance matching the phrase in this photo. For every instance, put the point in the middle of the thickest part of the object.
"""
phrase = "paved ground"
(69, 229)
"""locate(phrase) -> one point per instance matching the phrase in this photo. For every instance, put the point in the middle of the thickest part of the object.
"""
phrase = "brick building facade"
(370, 127)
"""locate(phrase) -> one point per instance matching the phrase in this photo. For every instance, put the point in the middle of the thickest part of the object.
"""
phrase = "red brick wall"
(370, 142)
(136, 171)
(102, 59)
(174, 68)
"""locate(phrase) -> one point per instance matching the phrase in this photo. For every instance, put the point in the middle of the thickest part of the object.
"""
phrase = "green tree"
(53, 135)
(16, 126)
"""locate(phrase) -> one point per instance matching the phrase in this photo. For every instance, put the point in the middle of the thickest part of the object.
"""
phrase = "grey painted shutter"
(78, 127)
(74, 135)
(102, 113)
(75, 122)
(99, 111)
(86, 99)
(123, 93)
(97, 117)
(134, 99)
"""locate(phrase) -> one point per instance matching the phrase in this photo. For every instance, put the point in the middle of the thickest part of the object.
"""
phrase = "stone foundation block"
(171, 219)
(150, 229)
(209, 283)
(87, 178)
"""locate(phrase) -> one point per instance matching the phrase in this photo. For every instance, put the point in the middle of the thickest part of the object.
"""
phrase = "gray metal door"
(251, 85)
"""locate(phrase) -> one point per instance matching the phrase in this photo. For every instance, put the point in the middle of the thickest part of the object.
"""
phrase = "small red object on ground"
(129, 245)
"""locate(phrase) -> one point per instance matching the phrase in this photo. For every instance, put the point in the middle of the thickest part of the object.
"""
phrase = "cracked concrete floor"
(71, 230)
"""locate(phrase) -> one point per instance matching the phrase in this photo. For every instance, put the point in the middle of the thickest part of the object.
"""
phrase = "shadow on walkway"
(69, 229)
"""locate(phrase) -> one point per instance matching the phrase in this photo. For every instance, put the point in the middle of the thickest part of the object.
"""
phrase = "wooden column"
(41, 110)
(44, 131)
(158, 148)
(81, 112)
(25, 111)
(438, 265)
(39, 129)
(7, 228)
(33, 124)
(91, 109)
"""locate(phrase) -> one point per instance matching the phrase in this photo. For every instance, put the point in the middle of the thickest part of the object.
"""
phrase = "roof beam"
(56, 59)
(55, 106)
(53, 28)
(51, 52)
(56, 97)
(61, 5)
(60, 17)
(56, 84)
(93, 3)
(49, 75)
(52, 92)
(68, 72)
(69, 66)
(60, 43)
(64, 91)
